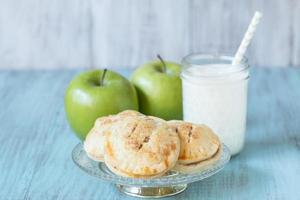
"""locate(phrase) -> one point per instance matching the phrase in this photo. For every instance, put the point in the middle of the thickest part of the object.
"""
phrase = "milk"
(216, 95)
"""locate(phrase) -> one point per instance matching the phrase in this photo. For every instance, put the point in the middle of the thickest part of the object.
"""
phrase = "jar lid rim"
(210, 69)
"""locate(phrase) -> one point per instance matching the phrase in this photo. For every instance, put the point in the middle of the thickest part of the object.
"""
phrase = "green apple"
(158, 85)
(94, 94)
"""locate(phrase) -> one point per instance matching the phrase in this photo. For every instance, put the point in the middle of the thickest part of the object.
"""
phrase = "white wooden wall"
(126, 33)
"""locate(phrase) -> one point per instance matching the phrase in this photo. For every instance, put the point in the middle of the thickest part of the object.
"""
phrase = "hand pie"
(94, 141)
(135, 145)
(200, 147)
(141, 147)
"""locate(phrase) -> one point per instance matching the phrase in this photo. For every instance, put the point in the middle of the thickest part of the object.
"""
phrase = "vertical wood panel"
(295, 34)
(98, 33)
(270, 45)
(135, 31)
(175, 28)
(43, 34)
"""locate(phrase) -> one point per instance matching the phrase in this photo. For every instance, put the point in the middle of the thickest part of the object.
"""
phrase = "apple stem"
(163, 62)
(102, 77)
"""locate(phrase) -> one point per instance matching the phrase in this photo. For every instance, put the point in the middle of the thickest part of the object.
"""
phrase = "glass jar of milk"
(215, 94)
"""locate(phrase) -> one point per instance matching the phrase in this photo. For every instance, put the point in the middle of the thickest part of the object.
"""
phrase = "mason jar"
(215, 93)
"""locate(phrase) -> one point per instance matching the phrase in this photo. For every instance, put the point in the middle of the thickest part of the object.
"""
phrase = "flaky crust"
(129, 113)
(141, 146)
(94, 141)
(198, 142)
(199, 166)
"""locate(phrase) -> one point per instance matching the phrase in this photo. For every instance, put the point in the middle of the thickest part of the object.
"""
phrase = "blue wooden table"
(36, 142)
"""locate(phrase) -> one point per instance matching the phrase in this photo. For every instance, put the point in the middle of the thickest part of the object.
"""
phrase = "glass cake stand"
(170, 184)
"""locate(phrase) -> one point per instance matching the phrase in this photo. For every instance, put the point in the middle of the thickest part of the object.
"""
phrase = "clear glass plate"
(99, 169)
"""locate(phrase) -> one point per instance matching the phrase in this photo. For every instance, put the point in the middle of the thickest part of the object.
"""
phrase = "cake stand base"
(152, 192)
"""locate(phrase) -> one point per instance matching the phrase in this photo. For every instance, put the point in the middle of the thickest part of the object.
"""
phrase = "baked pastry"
(141, 147)
(94, 141)
(134, 145)
(200, 147)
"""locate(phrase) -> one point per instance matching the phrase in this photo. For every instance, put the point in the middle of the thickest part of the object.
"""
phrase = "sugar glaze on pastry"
(141, 147)
(200, 147)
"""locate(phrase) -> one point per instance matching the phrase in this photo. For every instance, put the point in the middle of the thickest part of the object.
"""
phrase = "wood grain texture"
(177, 28)
(44, 34)
(110, 33)
(36, 142)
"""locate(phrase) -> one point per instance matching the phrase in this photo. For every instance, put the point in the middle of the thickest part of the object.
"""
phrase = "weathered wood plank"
(44, 34)
(36, 142)
(78, 33)
(294, 39)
